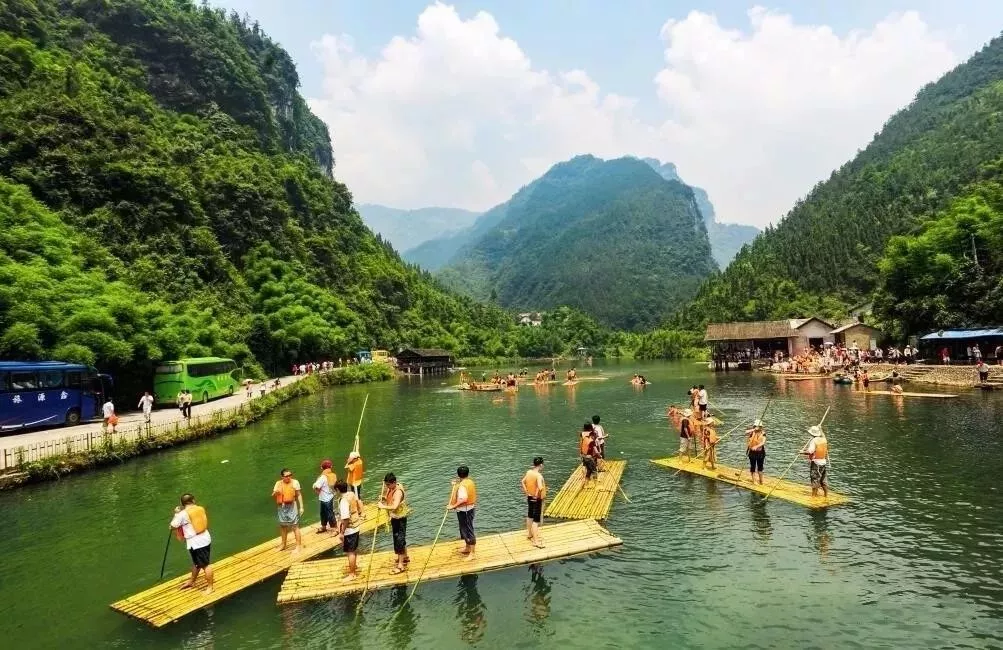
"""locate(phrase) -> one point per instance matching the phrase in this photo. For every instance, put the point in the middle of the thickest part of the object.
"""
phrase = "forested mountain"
(937, 158)
(612, 238)
(726, 239)
(405, 229)
(165, 192)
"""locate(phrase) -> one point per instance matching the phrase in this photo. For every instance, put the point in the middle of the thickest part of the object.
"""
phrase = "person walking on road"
(108, 413)
(146, 403)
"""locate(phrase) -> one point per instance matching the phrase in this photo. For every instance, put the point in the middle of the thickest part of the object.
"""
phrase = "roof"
(851, 325)
(197, 360)
(427, 352)
(972, 333)
(798, 323)
(763, 329)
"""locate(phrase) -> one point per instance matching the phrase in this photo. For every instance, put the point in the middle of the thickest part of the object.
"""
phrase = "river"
(915, 561)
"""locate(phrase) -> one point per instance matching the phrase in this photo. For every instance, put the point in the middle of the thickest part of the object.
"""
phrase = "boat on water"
(485, 387)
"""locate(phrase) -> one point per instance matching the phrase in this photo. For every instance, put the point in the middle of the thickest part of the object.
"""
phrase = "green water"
(914, 562)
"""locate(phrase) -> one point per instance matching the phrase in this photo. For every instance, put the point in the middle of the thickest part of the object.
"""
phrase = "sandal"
(397, 571)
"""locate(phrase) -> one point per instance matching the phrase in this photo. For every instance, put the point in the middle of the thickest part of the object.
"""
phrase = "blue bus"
(49, 394)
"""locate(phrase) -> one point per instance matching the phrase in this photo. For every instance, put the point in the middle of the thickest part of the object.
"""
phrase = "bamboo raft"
(323, 578)
(801, 377)
(787, 490)
(576, 500)
(167, 602)
(902, 394)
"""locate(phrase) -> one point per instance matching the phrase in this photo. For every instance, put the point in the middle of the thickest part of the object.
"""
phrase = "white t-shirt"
(326, 493)
(345, 512)
(146, 402)
(108, 409)
(702, 396)
(600, 433)
(811, 450)
(192, 540)
(461, 495)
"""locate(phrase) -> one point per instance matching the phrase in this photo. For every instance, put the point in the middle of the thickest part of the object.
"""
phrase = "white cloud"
(456, 114)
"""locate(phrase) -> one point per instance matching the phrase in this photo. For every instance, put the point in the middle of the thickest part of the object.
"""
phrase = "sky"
(461, 103)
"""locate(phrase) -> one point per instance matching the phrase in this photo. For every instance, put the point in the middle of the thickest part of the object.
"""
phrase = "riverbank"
(957, 376)
(59, 453)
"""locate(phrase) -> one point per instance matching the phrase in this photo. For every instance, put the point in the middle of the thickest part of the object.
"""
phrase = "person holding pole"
(354, 467)
(396, 506)
(191, 524)
(756, 450)
(463, 500)
(818, 460)
(535, 489)
(349, 522)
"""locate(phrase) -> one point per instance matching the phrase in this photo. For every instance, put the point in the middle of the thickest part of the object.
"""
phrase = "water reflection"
(470, 610)
(818, 533)
(539, 597)
(404, 623)
(761, 526)
(715, 501)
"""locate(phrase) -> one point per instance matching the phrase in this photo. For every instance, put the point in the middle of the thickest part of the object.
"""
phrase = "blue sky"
(619, 49)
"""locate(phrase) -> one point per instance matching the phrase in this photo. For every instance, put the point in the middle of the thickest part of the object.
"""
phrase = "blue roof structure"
(954, 335)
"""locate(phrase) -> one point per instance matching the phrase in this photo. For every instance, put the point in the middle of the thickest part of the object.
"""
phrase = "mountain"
(888, 220)
(405, 229)
(165, 192)
(612, 238)
(726, 239)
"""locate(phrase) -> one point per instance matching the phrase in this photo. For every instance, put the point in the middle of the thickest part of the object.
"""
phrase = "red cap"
(326, 464)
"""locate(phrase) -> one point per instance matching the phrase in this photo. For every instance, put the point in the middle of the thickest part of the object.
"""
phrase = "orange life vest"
(710, 435)
(284, 493)
(355, 472)
(533, 484)
(583, 446)
(756, 438)
(331, 477)
(821, 449)
(197, 518)
(402, 508)
(468, 485)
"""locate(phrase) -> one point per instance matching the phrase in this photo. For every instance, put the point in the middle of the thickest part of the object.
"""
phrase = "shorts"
(398, 528)
(601, 449)
(983, 376)
(590, 466)
(534, 509)
(200, 556)
(357, 489)
(351, 543)
(684, 444)
(756, 460)
(817, 473)
(703, 408)
(327, 514)
(466, 522)
(288, 514)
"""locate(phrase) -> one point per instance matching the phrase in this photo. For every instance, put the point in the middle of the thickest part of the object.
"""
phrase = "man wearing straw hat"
(355, 468)
(756, 450)
(818, 457)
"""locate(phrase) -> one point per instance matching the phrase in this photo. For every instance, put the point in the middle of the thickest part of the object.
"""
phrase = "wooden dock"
(798, 493)
(324, 578)
(902, 394)
(576, 500)
(167, 602)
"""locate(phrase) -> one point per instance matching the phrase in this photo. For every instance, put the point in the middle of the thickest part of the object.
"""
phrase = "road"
(129, 420)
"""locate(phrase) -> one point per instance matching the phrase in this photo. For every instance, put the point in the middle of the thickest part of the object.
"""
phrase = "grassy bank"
(107, 449)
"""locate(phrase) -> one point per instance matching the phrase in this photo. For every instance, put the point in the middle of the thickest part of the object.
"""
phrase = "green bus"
(206, 377)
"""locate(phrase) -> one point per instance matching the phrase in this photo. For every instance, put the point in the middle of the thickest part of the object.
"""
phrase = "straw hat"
(815, 430)
(353, 455)
(687, 412)
(758, 423)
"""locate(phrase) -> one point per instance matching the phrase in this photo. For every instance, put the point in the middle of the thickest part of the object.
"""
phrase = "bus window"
(49, 379)
(73, 379)
(171, 369)
(5, 381)
(23, 381)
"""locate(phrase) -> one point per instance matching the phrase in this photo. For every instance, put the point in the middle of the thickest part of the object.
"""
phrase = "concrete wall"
(810, 330)
(865, 337)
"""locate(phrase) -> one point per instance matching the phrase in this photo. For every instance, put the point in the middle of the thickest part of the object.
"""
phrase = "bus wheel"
(205, 398)
(73, 418)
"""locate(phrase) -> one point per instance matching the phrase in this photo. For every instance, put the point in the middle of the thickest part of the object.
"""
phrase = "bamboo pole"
(424, 566)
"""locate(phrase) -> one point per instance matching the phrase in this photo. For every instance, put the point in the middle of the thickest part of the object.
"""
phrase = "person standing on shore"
(463, 500)
(350, 513)
(146, 403)
(108, 413)
(191, 523)
(355, 467)
(394, 502)
(289, 500)
(323, 487)
(535, 489)
(983, 371)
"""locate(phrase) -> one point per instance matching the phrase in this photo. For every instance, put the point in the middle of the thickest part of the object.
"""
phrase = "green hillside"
(825, 253)
(164, 191)
(612, 238)
(406, 229)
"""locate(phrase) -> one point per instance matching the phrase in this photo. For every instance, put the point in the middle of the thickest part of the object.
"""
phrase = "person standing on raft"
(355, 467)
(350, 514)
(685, 434)
(324, 488)
(600, 440)
(535, 489)
(710, 440)
(702, 401)
(755, 449)
(463, 499)
(586, 447)
(191, 523)
(396, 506)
(289, 500)
(818, 460)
